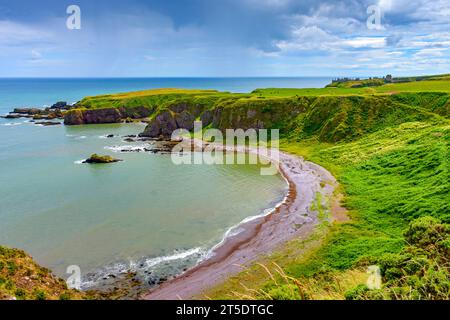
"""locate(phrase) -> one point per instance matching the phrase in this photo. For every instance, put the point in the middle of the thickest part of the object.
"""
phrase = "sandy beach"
(293, 218)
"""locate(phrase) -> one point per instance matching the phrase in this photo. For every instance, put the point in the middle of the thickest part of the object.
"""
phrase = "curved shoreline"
(290, 219)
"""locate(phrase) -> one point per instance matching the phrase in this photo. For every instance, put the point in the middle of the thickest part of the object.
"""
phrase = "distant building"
(387, 79)
(340, 80)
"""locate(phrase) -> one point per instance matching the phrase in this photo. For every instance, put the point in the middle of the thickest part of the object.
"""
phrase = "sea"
(145, 214)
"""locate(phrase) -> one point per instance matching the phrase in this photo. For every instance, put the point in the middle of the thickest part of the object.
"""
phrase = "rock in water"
(48, 123)
(59, 105)
(95, 158)
(12, 116)
(28, 111)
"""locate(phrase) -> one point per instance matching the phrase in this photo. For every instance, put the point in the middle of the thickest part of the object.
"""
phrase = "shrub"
(40, 295)
(420, 271)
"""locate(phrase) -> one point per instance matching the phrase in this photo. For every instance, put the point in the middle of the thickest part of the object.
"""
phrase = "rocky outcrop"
(28, 111)
(109, 115)
(162, 125)
(11, 116)
(47, 123)
(95, 158)
(185, 120)
(248, 115)
(105, 115)
(35, 113)
(165, 123)
(59, 105)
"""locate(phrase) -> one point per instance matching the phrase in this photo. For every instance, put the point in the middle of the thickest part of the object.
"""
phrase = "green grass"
(420, 86)
(21, 278)
(389, 178)
(155, 98)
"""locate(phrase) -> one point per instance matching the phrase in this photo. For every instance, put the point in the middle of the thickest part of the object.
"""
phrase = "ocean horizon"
(41, 92)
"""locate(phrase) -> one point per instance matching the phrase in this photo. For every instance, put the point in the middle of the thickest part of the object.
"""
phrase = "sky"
(225, 38)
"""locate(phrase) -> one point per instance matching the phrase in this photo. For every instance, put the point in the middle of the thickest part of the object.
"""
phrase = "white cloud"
(430, 53)
(366, 42)
(35, 55)
(307, 38)
(17, 34)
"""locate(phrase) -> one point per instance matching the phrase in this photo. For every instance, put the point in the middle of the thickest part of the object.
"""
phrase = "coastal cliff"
(80, 116)
(329, 117)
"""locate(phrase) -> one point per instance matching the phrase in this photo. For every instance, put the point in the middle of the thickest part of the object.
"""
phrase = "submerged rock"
(28, 111)
(12, 116)
(95, 158)
(35, 113)
(48, 123)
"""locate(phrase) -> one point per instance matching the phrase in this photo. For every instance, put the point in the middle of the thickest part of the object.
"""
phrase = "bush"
(429, 234)
(420, 271)
(40, 295)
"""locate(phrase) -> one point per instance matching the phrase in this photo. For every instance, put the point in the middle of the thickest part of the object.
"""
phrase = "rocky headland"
(41, 116)
(106, 115)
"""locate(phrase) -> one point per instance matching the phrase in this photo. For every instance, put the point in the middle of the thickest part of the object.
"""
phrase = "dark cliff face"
(105, 115)
(329, 118)
(177, 116)
(249, 115)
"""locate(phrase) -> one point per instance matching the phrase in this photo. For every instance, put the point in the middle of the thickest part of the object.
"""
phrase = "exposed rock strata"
(105, 115)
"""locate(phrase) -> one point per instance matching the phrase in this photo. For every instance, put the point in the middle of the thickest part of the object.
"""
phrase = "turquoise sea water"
(144, 210)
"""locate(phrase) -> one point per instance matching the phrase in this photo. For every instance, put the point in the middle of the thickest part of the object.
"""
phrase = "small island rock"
(95, 158)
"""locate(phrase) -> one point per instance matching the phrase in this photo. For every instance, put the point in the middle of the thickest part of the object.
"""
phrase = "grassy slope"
(21, 278)
(389, 177)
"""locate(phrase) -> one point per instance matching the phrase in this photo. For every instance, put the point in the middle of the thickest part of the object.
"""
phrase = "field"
(422, 86)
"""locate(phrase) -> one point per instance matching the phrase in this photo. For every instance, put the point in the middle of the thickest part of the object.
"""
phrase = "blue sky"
(164, 38)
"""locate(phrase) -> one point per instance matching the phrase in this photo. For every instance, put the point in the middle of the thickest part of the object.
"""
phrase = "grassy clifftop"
(331, 114)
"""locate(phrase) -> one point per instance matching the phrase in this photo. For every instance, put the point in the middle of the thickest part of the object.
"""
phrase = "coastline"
(260, 235)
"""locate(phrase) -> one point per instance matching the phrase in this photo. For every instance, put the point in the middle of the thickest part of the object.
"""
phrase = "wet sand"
(293, 218)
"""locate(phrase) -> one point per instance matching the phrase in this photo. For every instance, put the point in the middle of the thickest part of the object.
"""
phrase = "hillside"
(22, 279)
(389, 178)
(395, 176)
(332, 114)
(388, 146)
